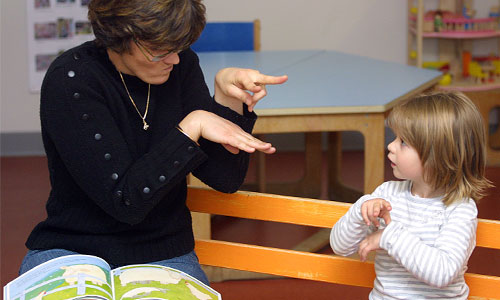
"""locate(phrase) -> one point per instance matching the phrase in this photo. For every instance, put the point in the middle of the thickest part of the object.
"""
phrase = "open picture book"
(86, 277)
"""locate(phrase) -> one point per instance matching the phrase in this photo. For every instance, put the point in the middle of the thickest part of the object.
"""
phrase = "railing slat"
(289, 263)
(249, 205)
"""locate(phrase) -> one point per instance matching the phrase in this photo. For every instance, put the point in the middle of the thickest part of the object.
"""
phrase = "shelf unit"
(452, 45)
(453, 42)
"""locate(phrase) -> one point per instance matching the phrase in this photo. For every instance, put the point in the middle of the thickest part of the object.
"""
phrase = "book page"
(158, 282)
(66, 277)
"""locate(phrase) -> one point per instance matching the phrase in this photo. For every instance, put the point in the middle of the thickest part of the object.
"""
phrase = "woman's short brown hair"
(162, 24)
(448, 133)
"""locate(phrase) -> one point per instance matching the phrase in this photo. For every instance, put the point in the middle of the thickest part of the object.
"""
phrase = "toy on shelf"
(445, 21)
(477, 73)
(413, 54)
(437, 65)
(438, 21)
(496, 64)
(466, 59)
(451, 21)
(486, 67)
(445, 80)
(443, 66)
(468, 13)
(495, 12)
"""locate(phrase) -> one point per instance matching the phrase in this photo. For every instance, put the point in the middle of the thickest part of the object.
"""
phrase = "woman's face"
(148, 65)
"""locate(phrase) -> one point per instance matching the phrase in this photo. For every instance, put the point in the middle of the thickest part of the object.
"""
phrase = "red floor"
(24, 189)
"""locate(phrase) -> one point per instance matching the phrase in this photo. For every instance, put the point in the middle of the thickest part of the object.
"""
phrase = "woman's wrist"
(221, 97)
(186, 134)
(190, 126)
(232, 103)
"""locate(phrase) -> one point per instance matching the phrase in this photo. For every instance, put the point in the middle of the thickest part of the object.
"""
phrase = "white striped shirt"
(425, 247)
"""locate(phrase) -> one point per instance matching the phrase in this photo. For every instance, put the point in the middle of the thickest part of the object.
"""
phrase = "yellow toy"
(476, 71)
(496, 64)
(436, 65)
(445, 80)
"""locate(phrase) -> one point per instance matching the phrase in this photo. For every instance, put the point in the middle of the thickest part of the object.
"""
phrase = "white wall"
(19, 108)
(359, 27)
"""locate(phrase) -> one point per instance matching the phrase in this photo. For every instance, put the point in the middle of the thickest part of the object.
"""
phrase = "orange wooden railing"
(305, 265)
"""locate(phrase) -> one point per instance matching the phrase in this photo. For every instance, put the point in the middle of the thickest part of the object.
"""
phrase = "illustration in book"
(86, 277)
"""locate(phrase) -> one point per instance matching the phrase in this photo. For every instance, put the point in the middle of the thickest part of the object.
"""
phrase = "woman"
(124, 119)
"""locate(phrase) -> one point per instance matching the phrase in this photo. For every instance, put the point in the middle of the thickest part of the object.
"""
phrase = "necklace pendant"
(145, 126)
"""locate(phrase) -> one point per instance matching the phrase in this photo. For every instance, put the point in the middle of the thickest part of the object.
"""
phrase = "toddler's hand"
(370, 243)
(373, 209)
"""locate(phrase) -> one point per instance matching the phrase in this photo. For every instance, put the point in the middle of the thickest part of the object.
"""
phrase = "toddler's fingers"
(364, 214)
(362, 253)
(369, 212)
(376, 209)
(387, 218)
(376, 213)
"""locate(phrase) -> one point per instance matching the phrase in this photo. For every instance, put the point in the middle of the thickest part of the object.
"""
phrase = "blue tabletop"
(324, 81)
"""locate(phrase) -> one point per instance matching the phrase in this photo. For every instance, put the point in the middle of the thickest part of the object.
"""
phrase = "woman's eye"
(403, 143)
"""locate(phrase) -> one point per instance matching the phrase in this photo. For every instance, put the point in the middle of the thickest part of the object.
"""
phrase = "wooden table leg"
(261, 168)
(336, 188)
(373, 132)
(308, 186)
(374, 152)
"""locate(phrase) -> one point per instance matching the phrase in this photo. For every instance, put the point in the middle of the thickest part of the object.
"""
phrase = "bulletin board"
(54, 26)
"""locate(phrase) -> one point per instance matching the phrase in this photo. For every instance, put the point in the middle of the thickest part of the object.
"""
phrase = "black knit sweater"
(118, 191)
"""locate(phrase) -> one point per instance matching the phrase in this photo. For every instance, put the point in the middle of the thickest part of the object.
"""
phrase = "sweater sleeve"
(350, 230)
(438, 264)
(81, 133)
(222, 170)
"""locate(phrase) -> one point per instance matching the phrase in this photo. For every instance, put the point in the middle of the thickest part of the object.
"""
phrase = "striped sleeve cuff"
(390, 236)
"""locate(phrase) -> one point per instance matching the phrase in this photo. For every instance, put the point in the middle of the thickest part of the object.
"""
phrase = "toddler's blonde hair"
(448, 133)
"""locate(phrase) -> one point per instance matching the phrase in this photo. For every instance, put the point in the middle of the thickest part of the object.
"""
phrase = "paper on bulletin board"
(53, 27)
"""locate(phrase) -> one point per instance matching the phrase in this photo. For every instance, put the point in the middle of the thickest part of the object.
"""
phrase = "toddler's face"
(405, 162)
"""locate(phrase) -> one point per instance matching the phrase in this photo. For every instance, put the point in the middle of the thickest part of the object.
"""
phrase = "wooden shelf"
(465, 86)
(459, 34)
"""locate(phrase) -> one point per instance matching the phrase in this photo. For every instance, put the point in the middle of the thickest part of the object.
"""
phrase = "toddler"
(423, 228)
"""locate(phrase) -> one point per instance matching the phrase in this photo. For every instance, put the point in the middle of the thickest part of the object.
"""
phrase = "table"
(327, 91)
